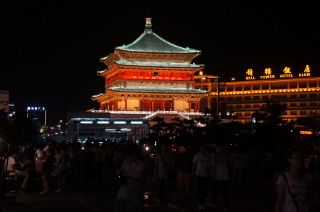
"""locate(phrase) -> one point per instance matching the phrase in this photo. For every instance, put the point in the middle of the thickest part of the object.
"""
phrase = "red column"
(152, 106)
(189, 106)
(116, 105)
(163, 105)
(125, 104)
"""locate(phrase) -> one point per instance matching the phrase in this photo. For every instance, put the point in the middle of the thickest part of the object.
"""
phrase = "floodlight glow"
(125, 129)
(103, 122)
(119, 122)
(136, 122)
(86, 122)
(306, 132)
(110, 129)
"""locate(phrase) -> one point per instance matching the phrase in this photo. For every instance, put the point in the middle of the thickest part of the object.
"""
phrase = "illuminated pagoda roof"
(158, 64)
(152, 90)
(149, 41)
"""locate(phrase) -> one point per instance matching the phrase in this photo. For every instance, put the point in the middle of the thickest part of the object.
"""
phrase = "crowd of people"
(207, 171)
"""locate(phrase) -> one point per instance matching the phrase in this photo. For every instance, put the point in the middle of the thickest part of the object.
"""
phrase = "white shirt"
(299, 192)
(132, 190)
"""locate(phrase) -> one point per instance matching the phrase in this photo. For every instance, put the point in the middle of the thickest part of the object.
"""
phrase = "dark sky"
(50, 51)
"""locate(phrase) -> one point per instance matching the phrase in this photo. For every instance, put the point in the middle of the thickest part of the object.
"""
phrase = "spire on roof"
(148, 24)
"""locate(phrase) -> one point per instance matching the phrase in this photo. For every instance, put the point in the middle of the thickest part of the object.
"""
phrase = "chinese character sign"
(286, 70)
(286, 73)
(267, 74)
(249, 74)
(267, 71)
(306, 72)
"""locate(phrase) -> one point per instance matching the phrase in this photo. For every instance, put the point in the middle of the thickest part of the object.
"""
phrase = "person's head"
(132, 151)
(219, 148)
(13, 154)
(164, 148)
(204, 149)
(294, 158)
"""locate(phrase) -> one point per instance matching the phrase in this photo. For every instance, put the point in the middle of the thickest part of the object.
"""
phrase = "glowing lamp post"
(216, 79)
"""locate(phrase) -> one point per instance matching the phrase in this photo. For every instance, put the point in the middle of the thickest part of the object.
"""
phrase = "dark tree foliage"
(270, 114)
(19, 129)
(309, 122)
(271, 131)
(3, 124)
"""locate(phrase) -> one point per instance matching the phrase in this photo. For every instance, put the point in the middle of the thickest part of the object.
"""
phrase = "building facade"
(146, 78)
(150, 74)
(300, 94)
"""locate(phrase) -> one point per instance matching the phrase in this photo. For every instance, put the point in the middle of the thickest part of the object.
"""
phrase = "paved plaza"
(99, 196)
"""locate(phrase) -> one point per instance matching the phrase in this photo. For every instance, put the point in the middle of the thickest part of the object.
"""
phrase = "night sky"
(50, 51)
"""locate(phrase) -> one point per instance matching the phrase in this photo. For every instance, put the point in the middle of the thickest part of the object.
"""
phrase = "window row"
(267, 86)
(294, 113)
(274, 97)
(293, 104)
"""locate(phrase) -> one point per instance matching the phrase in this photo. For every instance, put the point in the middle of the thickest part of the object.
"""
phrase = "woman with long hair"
(291, 187)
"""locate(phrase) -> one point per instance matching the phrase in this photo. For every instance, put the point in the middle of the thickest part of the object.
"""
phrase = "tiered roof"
(149, 41)
(158, 64)
(155, 90)
(151, 50)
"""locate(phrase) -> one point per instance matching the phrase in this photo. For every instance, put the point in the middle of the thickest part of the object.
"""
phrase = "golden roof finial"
(148, 23)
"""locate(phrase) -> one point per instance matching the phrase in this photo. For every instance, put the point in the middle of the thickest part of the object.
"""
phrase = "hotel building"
(300, 94)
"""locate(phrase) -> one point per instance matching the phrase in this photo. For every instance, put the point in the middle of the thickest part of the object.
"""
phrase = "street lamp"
(212, 79)
(215, 79)
(218, 97)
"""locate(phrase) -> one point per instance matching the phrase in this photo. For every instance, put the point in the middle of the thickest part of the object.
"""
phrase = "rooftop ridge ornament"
(148, 24)
(149, 42)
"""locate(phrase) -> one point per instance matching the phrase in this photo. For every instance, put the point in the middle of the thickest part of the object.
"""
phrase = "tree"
(309, 122)
(20, 130)
(270, 114)
(3, 132)
(270, 130)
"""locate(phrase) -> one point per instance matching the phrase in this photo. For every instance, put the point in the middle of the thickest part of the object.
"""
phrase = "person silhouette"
(291, 188)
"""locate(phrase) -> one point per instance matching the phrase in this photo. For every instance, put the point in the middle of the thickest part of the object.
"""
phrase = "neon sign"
(286, 73)
(306, 132)
(249, 74)
(306, 72)
(267, 74)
